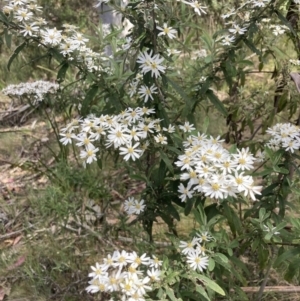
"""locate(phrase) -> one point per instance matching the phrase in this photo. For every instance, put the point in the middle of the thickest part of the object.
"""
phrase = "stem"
(255, 132)
(263, 285)
(154, 31)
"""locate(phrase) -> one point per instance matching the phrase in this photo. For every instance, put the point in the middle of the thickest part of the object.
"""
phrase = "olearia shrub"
(149, 100)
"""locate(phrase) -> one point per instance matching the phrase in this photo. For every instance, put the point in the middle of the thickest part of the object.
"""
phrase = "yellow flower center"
(215, 186)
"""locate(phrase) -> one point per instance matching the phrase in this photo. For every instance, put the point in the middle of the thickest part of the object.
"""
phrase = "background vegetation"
(58, 218)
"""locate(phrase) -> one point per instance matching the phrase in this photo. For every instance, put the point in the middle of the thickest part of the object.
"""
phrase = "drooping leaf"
(173, 211)
(61, 74)
(209, 283)
(188, 206)
(88, 99)
(251, 46)
(167, 161)
(285, 22)
(184, 96)
(7, 36)
(171, 294)
(216, 102)
(15, 54)
(3, 18)
(292, 269)
(202, 293)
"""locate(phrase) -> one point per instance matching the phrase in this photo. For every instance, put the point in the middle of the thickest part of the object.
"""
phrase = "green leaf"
(188, 206)
(286, 22)
(7, 36)
(159, 175)
(270, 189)
(202, 292)
(61, 74)
(251, 46)
(263, 255)
(3, 18)
(184, 96)
(222, 257)
(88, 99)
(173, 149)
(167, 161)
(210, 283)
(268, 236)
(223, 263)
(232, 218)
(262, 213)
(292, 269)
(171, 294)
(192, 296)
(139, 178)
(211, 264)
(242, 296)
(287, 255)
(238, 263)
(216, 102)
(246, 62)
(172, 211)
(160, 293)
(15, 54)
(280, 226)
(200, 215)
(280, 170)
(99, 163)
(56, 54)
(205, 124)
(265, 172)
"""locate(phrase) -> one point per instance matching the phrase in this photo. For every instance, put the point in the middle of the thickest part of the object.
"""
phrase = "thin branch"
(263, 284)
(11, 234)
(273, 289)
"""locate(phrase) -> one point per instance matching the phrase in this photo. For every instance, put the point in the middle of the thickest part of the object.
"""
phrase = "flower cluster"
(278, 29)
(212, 170)
(195, 251)
(284, 135)
(198, 8)
(35, 90)
(132, 206)
(144, 92)
(241, 16)
(125, 275)
(128, 132)
(295, 62)
(147, 62)
(167, 31)
(151, 62)
(71, 43)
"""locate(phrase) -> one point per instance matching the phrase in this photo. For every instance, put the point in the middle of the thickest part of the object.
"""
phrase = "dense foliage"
(197, 101)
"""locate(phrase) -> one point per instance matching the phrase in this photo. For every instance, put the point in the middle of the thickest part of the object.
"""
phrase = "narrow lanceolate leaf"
(15, 54)
(188, 206)
(3, 18)
(184, 96)
(211, 284)
(167, 161)
(251, 46)
(90, 95)
(216, 102)
(287, 255)
(171, 295)
(7, 37)
(62, 72)
(285, 22)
